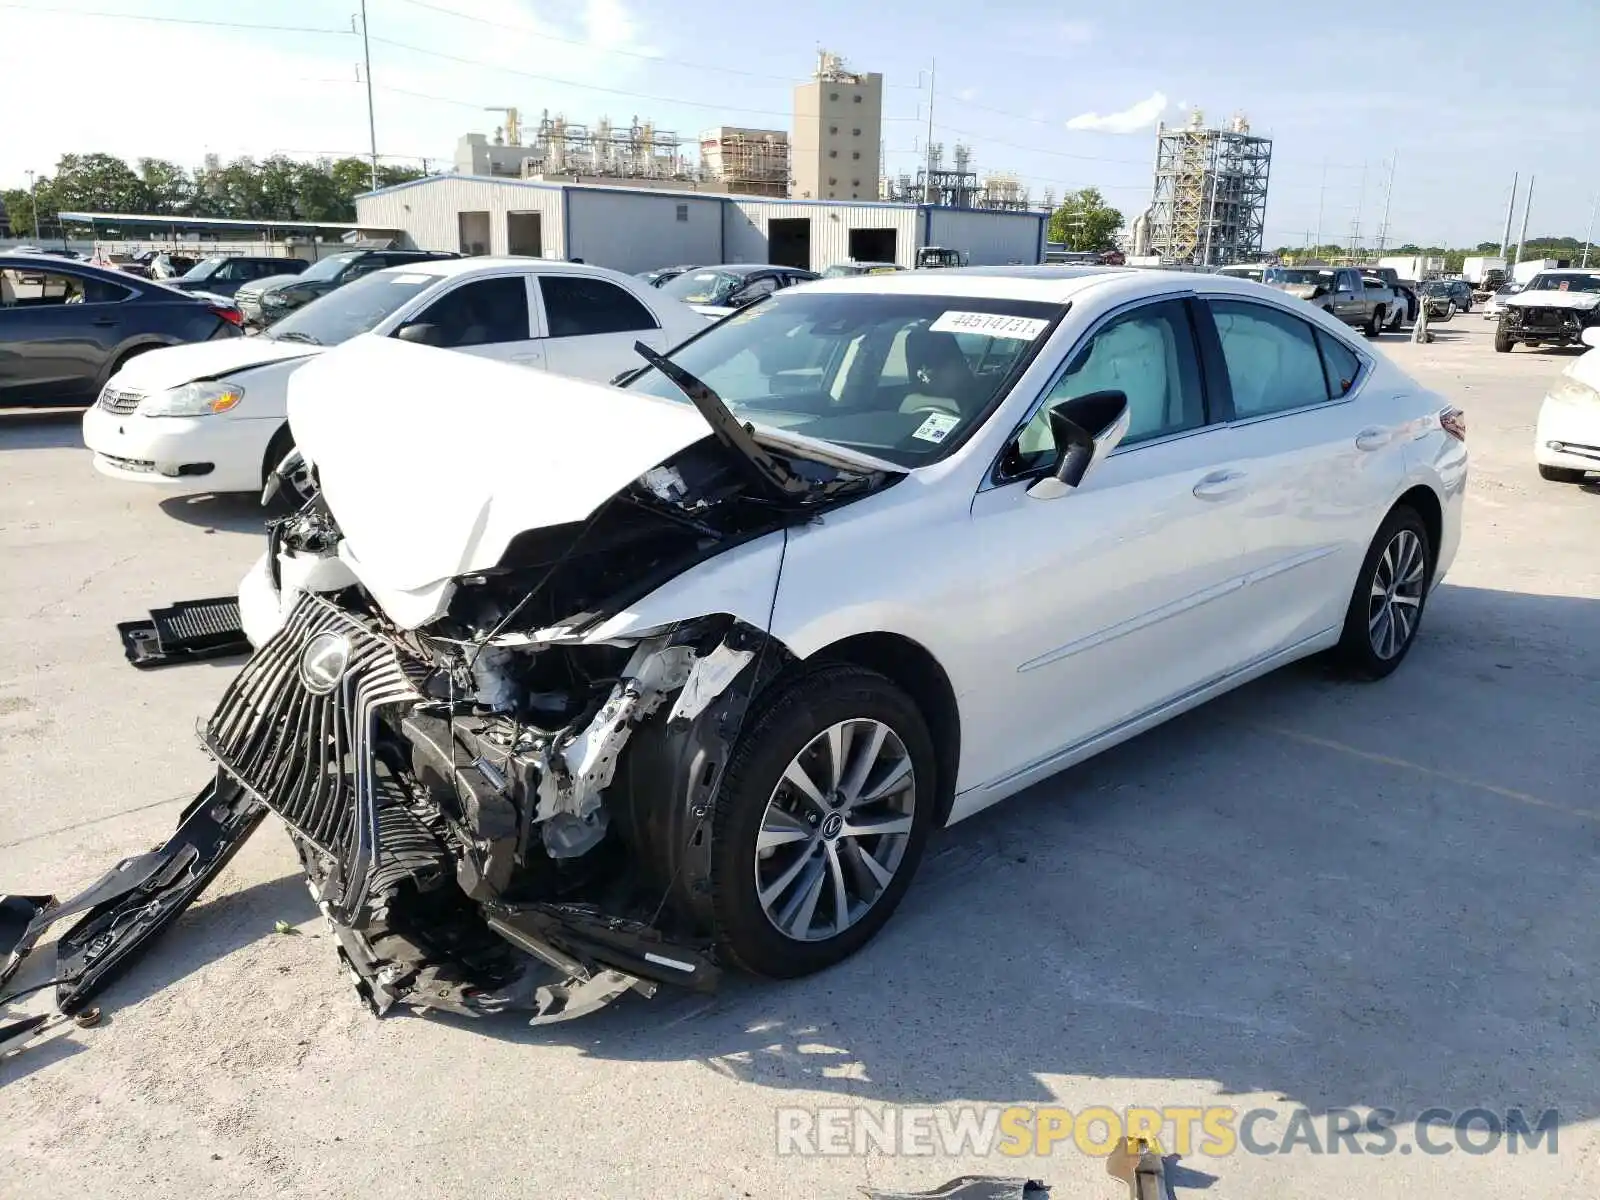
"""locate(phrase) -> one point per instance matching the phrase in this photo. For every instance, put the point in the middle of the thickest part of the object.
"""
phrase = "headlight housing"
(192, 400)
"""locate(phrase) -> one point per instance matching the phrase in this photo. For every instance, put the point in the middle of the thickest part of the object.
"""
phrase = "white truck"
(1524, 271)
(1476, 270)
(1415, 267)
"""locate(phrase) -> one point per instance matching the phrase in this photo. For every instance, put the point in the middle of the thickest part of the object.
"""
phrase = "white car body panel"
(236, 442)
(1181, 567)
(1550, 298)
(1570, 415)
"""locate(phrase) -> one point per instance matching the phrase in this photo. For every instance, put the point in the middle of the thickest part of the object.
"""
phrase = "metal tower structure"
(1210, 201)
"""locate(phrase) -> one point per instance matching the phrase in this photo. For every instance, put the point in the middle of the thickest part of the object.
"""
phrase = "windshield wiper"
(774, 477)
(294, 335)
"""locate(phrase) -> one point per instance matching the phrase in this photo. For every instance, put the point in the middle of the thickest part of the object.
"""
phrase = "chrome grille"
(308, 755)
(119, 400)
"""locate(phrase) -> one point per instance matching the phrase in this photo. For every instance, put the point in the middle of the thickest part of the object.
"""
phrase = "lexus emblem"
(324, 661)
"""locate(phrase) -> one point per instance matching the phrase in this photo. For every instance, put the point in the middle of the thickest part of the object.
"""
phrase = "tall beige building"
(838, 129)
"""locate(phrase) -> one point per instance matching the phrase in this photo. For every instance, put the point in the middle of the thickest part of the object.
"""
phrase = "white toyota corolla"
(634, 679)
(1566, 442)
(212, 416)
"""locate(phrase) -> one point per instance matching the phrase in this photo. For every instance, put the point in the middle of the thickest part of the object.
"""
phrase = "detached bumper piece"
(132, 903)
(975, 1187)
(188, 631)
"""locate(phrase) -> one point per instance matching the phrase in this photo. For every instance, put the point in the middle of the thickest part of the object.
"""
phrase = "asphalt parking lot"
(1308, 893)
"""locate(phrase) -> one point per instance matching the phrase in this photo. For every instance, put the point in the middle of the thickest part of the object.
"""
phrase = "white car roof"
(1050, 284)
(452, 268)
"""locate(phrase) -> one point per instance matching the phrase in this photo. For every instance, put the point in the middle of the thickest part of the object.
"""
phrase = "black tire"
(778, 731)
(282, 442)
(1374, 325)
(1355, 653)
(1503, 342)
(129, 357)
(1561, 474)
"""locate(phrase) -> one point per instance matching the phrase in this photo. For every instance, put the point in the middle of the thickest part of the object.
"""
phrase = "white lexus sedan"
(684, 671)
(1566, 441)
(211, 416)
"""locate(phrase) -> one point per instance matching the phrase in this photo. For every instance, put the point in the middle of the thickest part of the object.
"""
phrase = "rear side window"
(1273, 361)
(1341, 364)
(575, 306)
(482, 313)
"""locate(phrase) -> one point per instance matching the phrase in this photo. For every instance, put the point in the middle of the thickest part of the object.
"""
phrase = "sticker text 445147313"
(995, 325)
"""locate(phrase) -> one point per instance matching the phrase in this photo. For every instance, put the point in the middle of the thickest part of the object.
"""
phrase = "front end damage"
(502, 807)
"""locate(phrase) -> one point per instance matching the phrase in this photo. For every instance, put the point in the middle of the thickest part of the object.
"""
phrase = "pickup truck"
(1367, 303)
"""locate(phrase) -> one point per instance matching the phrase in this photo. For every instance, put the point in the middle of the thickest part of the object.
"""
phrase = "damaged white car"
(564, 689)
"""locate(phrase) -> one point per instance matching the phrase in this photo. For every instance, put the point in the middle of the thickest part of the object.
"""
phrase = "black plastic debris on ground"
(189, 631)
(975, 1187)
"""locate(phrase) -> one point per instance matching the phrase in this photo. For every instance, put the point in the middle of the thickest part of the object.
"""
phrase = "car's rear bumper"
(211, 454)
(1568, 435)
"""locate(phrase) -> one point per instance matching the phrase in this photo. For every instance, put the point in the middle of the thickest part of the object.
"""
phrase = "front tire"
(1502, 343)
(297, 486)
(1390, 593)
(820, 822)
(1561, 474)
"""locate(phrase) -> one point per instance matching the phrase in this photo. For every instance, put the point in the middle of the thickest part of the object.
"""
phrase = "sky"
(1066, 94)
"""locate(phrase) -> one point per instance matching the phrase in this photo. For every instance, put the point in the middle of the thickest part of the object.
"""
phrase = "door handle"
(1219, 484)
(104, 321)
(1373, 439)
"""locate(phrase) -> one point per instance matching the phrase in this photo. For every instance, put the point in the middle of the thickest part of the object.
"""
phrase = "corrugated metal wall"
(746, 237)
(989, 238)
(428, 211)
(638, 231)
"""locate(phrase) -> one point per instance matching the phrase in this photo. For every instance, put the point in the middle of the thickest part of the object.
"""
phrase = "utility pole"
(372, 128)
(1355, 225)
(927, 150)
(1388, 193)
(1322, 195)
(1527, 207)
(1511, 208)
(1589, 232)
(33, 196)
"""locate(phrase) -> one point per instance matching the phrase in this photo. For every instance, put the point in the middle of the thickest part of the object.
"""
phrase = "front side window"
(485, 312)
(1272, 357)
(576, 306)
(1148, 354)
(358, 308)
(902, 377)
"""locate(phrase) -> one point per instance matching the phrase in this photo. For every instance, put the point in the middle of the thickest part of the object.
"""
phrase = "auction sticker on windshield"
(997, 325)
(935, 427)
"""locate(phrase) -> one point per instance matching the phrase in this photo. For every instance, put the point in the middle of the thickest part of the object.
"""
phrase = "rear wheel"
(1561, 474)
(820, 822)
(1390, 593)
(1503, 343)
(1374, 325)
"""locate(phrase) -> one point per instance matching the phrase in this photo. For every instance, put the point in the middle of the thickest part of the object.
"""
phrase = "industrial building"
(638, 229)
(838, 133)
(634, 155)
(746, 162)
(1210, 201)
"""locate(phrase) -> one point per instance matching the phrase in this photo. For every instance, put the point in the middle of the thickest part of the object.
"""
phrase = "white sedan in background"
(212, 416)
(877, 553)
(1566, 442)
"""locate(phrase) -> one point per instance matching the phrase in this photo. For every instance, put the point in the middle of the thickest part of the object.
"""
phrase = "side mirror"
(422, 335)
(1591, 336)
(1086, 429)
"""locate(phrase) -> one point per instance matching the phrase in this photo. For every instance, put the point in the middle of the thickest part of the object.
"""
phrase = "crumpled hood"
(1582, 301)
(170, 366)
(431, 461)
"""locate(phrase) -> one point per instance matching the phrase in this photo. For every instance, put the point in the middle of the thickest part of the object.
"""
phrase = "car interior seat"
(941, 378)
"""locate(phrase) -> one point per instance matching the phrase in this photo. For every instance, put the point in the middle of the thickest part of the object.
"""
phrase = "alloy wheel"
(1396, 597)
(835, 830)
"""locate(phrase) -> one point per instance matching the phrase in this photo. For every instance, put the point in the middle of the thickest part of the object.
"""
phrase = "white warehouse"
(639, 229)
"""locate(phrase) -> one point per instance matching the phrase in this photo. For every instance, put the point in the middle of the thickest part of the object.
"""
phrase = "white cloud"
(1140, 116)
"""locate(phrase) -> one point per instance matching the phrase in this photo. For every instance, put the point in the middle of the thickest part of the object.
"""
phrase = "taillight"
(229, 314)
(1454, 422)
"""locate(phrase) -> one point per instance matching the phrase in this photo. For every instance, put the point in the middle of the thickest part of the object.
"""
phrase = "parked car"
(1457, 291)
(1403, 310)
(718, 291)
(1496, 304)
(225, 274)
(1566, 441)
(1340, 292)
(846, 269)
(157, 264)
(67, 327)
(213, 417)
(275, 297)
(662, 275)
(1553, 310)
(697, 664)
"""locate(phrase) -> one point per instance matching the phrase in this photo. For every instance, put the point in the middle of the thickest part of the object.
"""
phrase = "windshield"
(1304, 275)
(703, 287)
(328, 268)
(355, 308)
(205, 267)
(1437, 287)
(901, 377)
(1565, 283)
(840, 270)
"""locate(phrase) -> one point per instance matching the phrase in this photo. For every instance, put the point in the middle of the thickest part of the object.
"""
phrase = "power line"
(550, 37)
(77, 12)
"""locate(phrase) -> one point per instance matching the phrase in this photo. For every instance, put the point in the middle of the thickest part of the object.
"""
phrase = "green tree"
(168, 187)
(1084, 221)
(98, 183)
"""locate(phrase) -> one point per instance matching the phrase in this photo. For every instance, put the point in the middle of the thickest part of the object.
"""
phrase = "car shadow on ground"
(41, 429)
(1335, 894)
(233, 512)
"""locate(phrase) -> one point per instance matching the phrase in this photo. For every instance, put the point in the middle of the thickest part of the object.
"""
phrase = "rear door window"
(1340, 362)
(578, 306)
(1273, 361)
